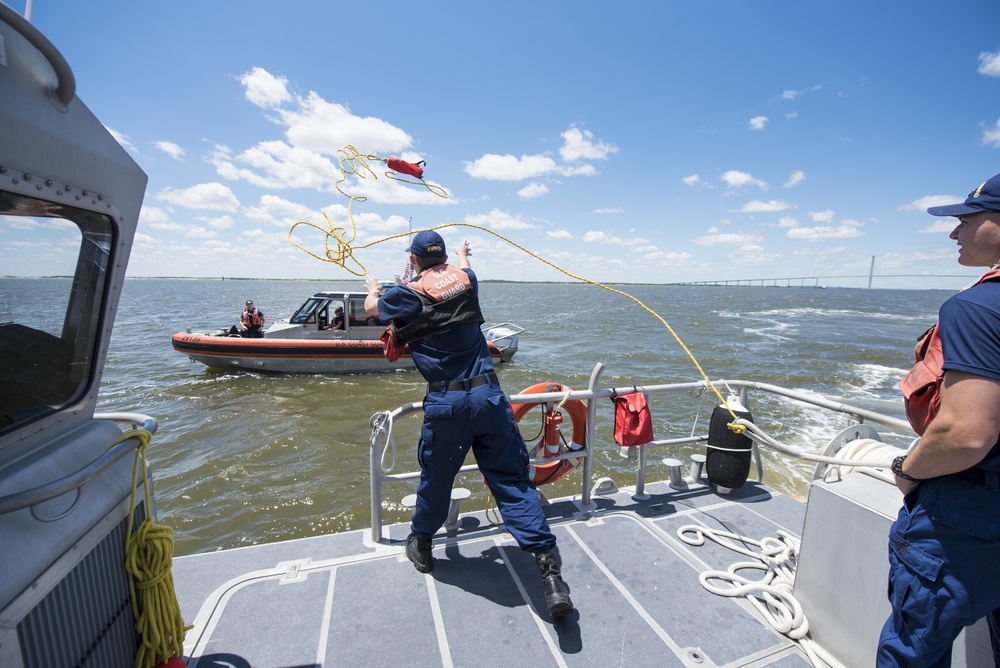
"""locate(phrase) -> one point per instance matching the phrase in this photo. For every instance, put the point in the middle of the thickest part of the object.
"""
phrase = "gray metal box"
(843, 568)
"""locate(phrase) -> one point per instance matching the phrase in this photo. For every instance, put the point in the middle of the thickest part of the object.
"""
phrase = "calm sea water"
(243, 458)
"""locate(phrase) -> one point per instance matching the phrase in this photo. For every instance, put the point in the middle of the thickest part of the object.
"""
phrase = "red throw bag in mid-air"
(400, 165)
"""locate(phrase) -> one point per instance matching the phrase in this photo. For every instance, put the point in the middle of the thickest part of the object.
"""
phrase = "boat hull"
(293, 355)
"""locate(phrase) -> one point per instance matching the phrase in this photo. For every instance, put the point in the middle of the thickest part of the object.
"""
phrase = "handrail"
(591, 396)
(32, 497)
(65, 90)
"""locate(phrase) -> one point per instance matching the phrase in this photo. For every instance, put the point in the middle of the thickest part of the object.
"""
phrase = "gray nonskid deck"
(341, 601)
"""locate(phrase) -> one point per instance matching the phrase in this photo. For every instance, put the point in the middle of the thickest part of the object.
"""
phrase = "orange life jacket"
(922, 385)
(251, 319)
(448, 299)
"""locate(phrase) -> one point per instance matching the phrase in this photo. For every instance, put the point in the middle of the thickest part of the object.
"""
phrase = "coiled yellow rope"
(149, 552)
(352, 162)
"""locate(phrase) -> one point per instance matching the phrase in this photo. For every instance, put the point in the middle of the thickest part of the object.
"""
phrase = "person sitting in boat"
(438, 314)
(252, 321)
(338, 319)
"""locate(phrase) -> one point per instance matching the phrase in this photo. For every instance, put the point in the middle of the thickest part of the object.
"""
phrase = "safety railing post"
(588, 465)
(375, 476)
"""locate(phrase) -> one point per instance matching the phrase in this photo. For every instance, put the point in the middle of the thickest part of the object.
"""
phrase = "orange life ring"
(557, 469)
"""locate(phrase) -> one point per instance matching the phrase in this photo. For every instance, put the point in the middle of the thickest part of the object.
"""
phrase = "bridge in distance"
(808, 281)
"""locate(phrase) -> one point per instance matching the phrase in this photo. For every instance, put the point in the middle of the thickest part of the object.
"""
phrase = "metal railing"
(591, 395)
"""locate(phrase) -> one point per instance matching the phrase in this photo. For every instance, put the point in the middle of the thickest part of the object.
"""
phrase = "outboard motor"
(728, 457)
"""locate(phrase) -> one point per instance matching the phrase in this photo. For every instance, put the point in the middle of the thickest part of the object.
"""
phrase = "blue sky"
(624, 142)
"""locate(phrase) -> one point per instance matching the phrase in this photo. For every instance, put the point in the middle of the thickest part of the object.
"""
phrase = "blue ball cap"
(427, 244)
(984, 198)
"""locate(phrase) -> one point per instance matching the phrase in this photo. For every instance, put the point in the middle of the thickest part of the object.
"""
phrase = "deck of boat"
(340, 600)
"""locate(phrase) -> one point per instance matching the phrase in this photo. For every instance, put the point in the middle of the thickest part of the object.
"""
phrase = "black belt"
(466, 384)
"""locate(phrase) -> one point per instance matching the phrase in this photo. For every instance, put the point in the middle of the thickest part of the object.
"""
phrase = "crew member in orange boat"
(252, 320)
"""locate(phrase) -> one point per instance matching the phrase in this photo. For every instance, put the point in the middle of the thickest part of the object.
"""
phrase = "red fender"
(542, 474)
(400, 165)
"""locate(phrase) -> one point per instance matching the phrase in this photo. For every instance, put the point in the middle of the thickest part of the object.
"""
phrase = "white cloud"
(737, 179)
(558, 234)
(500, 220)
(989, 64)
(327, 127)
(152, 215)
(171, 149)
(670, 257)
(991, 136)
(219, 223)
(195, 232)
(578, 169)
(726, 239)
(532, 190)
(508, 167)
(787, 221)
(692, 180)
(846, 230)
(599, 211)
(316, 134)
(599, 237)
(796, 177)
(821, 216)
(792, 94)
(213, 196)
(925, 203)
(579, 145)
(265, 90)
(758, 122)
(757, 206)
(940, 226)
(122, 139)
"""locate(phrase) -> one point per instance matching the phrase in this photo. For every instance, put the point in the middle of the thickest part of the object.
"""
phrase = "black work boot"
(418, 550)
(556, 593)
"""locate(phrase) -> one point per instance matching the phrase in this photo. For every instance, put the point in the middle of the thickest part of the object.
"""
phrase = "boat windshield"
(305, 312)
(55, 267)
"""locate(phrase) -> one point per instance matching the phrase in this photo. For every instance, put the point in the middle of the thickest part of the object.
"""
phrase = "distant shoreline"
(510, 282)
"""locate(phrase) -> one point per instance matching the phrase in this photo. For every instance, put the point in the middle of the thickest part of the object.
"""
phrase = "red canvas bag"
(633, 422)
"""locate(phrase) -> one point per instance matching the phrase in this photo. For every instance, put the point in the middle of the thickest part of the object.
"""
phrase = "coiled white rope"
(381, 424)
(771, 595)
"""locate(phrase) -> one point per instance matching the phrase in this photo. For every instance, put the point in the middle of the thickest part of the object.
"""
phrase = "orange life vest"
(448, 299)
(922, 385)
(251, 319)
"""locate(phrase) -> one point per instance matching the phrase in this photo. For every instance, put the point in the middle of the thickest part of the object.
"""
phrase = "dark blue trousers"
(479, 418)
(944, 571)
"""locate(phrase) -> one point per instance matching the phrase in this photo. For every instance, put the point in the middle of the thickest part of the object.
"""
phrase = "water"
(243, 458)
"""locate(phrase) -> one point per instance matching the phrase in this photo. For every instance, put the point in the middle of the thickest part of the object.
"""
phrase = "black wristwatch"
(897, 469)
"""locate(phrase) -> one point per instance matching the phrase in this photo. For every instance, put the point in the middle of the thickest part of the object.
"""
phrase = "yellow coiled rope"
(149, 552)
(352, 162)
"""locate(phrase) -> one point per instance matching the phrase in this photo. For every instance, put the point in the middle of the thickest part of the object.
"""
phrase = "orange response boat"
(304, 344)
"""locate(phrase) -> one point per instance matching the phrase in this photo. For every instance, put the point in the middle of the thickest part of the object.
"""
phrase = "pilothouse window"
(53, 280)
